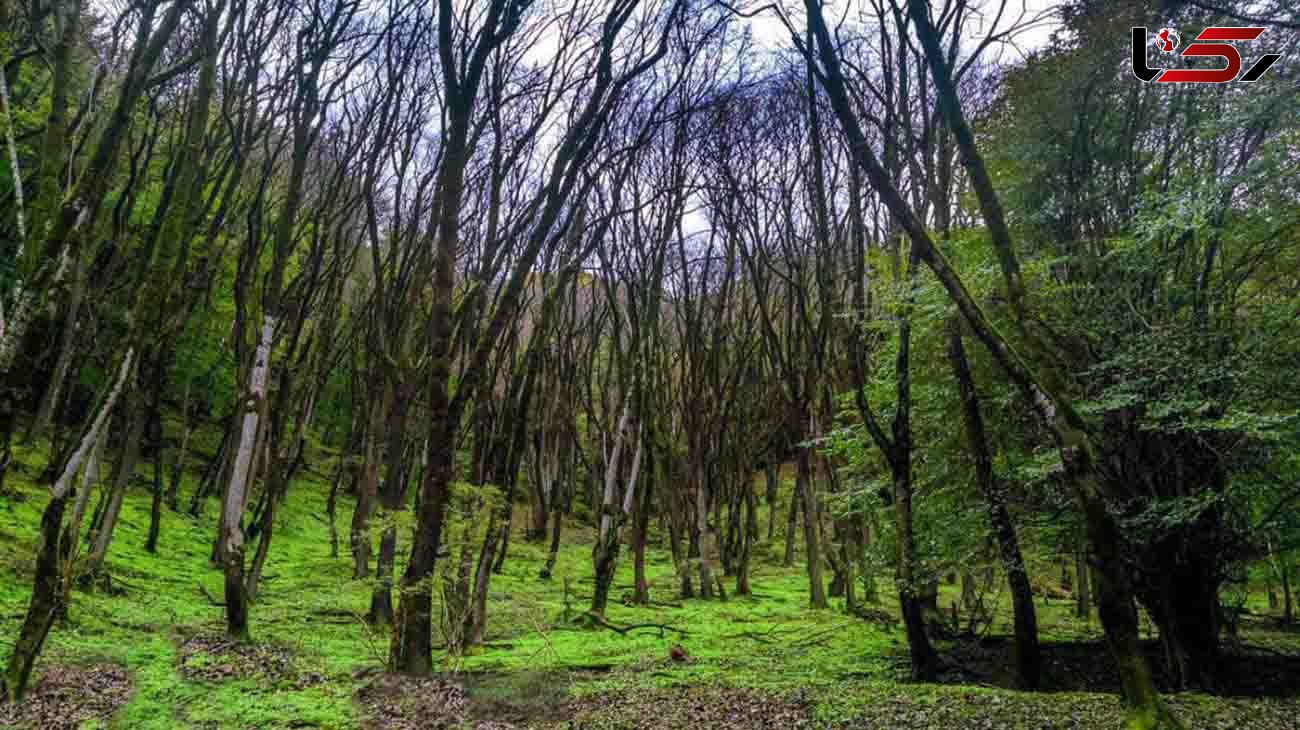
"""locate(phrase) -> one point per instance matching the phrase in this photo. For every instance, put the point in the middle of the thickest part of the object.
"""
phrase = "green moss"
(310, 610)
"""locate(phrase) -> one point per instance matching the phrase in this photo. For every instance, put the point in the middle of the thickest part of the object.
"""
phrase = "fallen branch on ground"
(599, 620)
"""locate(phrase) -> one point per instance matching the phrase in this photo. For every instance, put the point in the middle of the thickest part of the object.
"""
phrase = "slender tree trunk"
(692, 536)
(791, 521)
(367, 492)
(72, 533)
(122, 476)
(1145, 710)
(870, 591)
(771, 470)
(750, 534)
(1288, 598)
(178, 466)
(641, 535)
(331, 502)
(499, 564)
(1082, 584)
(213, 474)
(1028, 656)
(605, 554)
(392, 502)
(811, 532)
(557, 523)
(155, 510)
(67, 348)
(542, 484)
(476, 620)
(46, 593)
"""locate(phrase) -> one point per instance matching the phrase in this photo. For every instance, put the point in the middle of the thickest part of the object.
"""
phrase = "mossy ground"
(823, 668)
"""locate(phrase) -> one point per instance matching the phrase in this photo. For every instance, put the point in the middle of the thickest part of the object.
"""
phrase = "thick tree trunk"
(46, 598)
(232, 548)
(412, 642)
(1187, 613)
(911, 588)
(705, 540)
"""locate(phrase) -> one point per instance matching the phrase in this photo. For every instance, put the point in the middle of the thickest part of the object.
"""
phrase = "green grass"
(310, 608)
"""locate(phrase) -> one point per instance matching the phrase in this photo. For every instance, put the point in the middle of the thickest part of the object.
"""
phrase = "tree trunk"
(232, 547)
(44, 605)
(72, 533)
(640, 536)
(704, 538)
(178, 466)
(750, 534)
(811, 531)
(368, 491)
(911, 588)
(214, 473)
(1288, 605)
(691, 533)
(46, 593)
(1028, 656)
(122, 475)
(791, 521)
(605, 554)
(1082, 584)
(557, 523)
(772, 470)
(67, 347)
(1144, 708)
(155, 510)
(476, 620)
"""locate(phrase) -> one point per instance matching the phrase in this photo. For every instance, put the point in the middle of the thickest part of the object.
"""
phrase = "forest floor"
(148, 653)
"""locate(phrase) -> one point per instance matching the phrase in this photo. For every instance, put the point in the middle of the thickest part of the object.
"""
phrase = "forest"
(599, 364)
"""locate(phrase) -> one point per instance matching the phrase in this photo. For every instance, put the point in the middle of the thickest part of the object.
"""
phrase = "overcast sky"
(772, 35)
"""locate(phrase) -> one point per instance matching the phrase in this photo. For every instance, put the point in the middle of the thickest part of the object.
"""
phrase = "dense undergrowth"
(760, 661)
